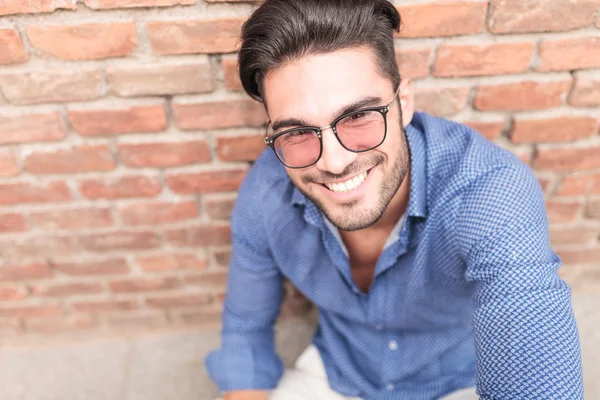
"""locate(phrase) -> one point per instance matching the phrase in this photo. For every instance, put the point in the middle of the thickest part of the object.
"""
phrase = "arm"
(247, 395)
(247, 358)
(526, 337)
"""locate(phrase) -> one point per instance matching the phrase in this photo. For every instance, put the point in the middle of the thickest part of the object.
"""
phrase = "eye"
(297, 134)
(357, 116)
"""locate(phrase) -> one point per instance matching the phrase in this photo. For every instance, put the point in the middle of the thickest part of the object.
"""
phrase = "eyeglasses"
(358, 131)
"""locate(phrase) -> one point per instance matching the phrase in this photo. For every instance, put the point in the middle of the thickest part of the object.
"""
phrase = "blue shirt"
(466, 292)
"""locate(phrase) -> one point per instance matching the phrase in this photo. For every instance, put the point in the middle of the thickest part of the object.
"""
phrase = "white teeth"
(348, 185)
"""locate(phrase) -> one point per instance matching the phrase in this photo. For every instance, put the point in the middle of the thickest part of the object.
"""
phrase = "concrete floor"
(169, 365)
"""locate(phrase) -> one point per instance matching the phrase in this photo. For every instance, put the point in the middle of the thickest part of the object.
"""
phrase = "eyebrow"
(357, 105)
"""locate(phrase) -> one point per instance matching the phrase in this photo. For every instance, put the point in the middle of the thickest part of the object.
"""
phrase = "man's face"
(314, 89)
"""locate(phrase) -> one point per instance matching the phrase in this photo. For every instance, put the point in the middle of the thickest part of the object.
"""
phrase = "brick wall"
(124, 136)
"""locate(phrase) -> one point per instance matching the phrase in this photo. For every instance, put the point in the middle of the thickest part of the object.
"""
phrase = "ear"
(407, 101)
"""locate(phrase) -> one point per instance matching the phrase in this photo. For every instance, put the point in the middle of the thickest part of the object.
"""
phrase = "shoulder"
(487, 186)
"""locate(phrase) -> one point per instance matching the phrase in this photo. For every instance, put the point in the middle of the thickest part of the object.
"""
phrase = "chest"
(363, 260)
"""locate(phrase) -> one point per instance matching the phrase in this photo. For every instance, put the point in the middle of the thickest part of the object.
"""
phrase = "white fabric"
(308, 381)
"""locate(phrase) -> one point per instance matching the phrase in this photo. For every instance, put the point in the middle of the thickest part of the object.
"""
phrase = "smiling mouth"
(347, 185)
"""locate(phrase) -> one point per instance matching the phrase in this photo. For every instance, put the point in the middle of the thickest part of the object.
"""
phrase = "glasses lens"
(362, 131)
(298, 148)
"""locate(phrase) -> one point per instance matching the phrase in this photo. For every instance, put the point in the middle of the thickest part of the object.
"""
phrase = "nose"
(335, 157)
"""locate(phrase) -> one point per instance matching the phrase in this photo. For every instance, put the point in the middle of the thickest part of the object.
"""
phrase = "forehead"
(316, 86)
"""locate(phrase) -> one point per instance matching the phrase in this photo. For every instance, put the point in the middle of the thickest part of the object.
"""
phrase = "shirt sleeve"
(247, 357)
(526, 337)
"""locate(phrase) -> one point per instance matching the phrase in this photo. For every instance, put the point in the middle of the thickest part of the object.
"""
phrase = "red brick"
(563, 211)
(544, 183)
(208, 279)
(222, 257)
(12, 223)
(596, 185)
(115, 266)
(587, 89)
(450, 18)
(31, 311)
(144, 284)
(31, 128)
(12, 293)
(8, 164)
(86, 41)
(110, 4)
(160, 79)
(592, 210)
(157, 212)
(104, 305)
(568, 159)
(413, 63)
(219, 115)
(35, 6)
(571, 236)
(119, 241)
(520, 96)
(72, 219)
(170, 262)
(42, 246)
(490, 130)
(200, 235)
(475, 60)
(164, 154)
(52, 86)
(220, 208)
(120, 187)
(30, 192)
(520, 16)
(59, 325)
(569, 54)
(576, 185)
(179, 300)
(206, 182)
(150, 118)
(66, 289)
(442, 101)
(231, 75)
(560, 129)
(240, 148)
(200, 36)
(76, 160)
(583, 256)
(11, 48)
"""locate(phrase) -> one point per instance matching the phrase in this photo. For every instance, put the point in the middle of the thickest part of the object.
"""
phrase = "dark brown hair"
(280, 31)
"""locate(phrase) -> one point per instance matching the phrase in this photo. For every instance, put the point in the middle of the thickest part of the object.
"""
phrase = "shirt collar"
(417, 204)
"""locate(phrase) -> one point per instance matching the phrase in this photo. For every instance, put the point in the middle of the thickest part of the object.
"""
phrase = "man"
(424, 246)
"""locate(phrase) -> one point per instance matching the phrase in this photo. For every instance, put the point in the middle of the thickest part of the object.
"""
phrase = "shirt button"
(390, 387)
(356, 290)
(379, 327)
(393, 345)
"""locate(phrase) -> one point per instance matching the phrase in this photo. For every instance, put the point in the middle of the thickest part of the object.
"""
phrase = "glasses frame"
(270, 141)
